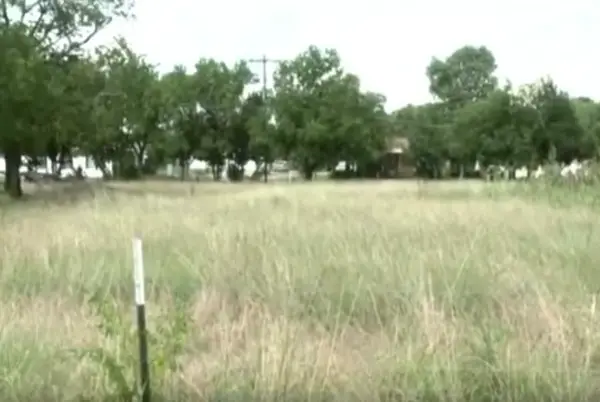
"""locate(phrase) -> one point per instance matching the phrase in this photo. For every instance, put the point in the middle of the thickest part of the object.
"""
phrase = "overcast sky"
(388, 43)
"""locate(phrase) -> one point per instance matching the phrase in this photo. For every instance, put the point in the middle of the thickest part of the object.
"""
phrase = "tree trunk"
(236, 171)
(64, 154)
(266, 171)
(308, 172)
(12, 181)
(140, 161)
(225, 173)
(57, 169)
(102, 166)
(53, 157)
(182, 166)
(216, 172)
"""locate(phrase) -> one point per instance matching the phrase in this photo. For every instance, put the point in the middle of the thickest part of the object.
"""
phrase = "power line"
(264, 60)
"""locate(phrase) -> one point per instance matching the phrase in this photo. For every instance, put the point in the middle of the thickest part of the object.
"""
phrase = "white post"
(140, 303)
(138, 272)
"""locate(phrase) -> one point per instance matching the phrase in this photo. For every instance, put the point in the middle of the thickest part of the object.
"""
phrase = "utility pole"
(264, 60)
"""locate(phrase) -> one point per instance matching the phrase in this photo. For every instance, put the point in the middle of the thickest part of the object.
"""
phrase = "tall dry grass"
(354, 292)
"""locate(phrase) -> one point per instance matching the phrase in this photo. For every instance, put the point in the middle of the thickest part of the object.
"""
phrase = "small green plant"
(118, 357)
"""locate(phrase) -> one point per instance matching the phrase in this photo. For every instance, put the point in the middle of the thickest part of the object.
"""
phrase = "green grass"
(393, 291)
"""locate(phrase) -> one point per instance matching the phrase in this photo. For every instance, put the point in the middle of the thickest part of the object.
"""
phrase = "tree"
(262, 131)
(588, 115)
(206, 114)
(22, 90)
(489, 129)
(135, 106)
(219, 90)
(466, 76)
(102, 138)
(363, 134)
(185, 119)
(36, 34)
(302, 87)
(320, 112)
(68, 111)
(247, 136)
(557, 132)
(426, 128)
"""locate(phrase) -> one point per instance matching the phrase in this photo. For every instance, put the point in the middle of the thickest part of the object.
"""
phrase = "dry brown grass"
(381, 291)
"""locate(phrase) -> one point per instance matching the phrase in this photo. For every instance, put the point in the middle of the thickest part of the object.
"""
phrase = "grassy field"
(390, 291)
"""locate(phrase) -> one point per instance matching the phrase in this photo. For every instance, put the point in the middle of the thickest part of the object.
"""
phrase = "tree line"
(475, 118)
(111, 104)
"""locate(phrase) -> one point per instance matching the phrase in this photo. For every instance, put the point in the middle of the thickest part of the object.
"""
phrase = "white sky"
(388, 43)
